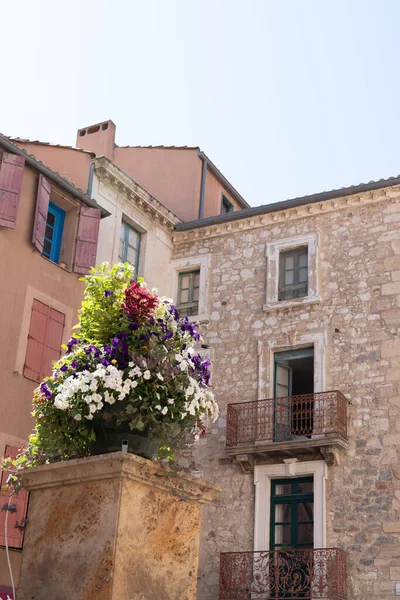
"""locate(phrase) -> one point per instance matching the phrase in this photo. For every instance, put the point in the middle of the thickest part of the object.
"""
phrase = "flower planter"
(113, 439)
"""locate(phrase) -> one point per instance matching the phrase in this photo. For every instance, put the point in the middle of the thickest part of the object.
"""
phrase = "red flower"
(139, 303)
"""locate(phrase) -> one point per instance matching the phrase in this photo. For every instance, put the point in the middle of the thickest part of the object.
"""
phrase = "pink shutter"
(44, 341)
(86, 244)
(52, 341)
(42, 208)
(11, 174)
(36, 340)
(15, 536)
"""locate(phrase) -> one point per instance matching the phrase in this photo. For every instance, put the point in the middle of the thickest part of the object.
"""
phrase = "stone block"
(391, 288)
(390, 348)
(391, 527)
(111, 527)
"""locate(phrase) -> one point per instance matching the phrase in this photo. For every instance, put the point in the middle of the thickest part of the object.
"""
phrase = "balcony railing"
(284, 575)
(283, 419)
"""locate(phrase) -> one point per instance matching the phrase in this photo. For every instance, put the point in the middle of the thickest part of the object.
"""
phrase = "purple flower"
(72, 342)
(108, 293)
(134, 326)
(64, 368)
(74, 364)
(143, 337)
(105, 362)
(45, 390)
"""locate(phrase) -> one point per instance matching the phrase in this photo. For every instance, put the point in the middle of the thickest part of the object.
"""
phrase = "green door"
(292, 537)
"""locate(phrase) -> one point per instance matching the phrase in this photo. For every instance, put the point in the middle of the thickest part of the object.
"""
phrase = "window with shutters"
(293, 273)
(188, 293)
(129, 246)
(65, 231)
(16, 519)
(44, 341)
(11, 175)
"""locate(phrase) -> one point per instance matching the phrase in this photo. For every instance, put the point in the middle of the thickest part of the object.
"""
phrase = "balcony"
(308, 422)
(319, 574)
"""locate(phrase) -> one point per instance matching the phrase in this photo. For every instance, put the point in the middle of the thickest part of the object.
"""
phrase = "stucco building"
(48, 239)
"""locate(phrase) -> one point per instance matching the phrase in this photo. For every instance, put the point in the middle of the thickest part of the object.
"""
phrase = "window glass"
(293, 273)
(188, 293)
(226, 206)
(53, 232)
(129, 245)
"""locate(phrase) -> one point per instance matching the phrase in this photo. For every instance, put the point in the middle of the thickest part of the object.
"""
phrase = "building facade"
(48, 239)
(302, 317)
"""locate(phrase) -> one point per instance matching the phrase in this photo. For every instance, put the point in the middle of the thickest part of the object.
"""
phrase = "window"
(292, 514)
(129, 245)
(53, 233)
(188, 293)
(44, 341)
(226, 206)
(293, 273)
(15, 521)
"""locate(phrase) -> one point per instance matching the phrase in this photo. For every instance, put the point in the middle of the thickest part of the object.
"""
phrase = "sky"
(286, 97)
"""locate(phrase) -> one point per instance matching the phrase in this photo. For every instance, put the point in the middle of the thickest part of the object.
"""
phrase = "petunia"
(146, 374)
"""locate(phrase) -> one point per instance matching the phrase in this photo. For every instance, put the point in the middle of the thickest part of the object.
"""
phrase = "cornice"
(126, 186)
(291, 214)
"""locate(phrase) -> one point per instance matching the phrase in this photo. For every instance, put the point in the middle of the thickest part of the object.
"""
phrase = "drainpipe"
(202, 187)
(90, 182)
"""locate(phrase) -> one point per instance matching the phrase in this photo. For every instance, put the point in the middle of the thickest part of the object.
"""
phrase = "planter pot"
(135, 442)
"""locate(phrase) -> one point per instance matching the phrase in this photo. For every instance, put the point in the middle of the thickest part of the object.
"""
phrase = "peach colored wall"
(213, 196)
(24, 275)
(70, 163)
(172, 176)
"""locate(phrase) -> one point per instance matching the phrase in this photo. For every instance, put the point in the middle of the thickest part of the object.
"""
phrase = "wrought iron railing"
(288, 418)
(284, 575)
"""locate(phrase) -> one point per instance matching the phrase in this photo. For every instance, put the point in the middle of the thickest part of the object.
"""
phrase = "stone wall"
(359, 316)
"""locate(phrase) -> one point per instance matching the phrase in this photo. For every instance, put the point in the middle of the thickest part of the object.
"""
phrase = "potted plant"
(129, 373)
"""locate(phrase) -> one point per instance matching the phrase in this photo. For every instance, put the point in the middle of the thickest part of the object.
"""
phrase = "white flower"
(78, 417)
(93, 385)
(183, 415)
(146, 374)
(178, 357)
(131, 364)
(183, 365)
(60, 402)
(89, 417)
(171, 400)
(92, 408)
(160, 377)
(158, 407)
(100, 405)
(164, 410)
(134, 384)
(96, 398)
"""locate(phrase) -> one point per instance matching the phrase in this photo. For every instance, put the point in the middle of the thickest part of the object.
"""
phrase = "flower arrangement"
(130, 366)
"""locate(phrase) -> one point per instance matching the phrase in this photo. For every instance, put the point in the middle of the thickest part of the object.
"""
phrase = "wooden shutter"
(42, 208)
(11, 174)
(86, 244)
(44, 341)
(15, 536)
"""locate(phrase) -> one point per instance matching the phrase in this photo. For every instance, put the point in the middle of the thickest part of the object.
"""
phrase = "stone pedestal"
(111, 527)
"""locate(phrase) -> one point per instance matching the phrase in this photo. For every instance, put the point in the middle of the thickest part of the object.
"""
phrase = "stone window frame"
(272, 252)
(263, 474)
(180, 265)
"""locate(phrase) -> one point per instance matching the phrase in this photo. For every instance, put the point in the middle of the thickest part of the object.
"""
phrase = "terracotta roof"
(26, 141)
(164, 147)
(57, 178)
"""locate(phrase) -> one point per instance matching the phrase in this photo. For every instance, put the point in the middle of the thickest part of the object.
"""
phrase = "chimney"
(99, 139)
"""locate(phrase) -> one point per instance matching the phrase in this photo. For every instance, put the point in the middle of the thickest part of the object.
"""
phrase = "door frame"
(263, 474)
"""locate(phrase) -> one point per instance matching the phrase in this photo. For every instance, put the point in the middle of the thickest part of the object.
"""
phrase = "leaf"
(139, 425)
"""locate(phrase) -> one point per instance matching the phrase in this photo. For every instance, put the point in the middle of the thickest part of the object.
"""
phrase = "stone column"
(111, 527)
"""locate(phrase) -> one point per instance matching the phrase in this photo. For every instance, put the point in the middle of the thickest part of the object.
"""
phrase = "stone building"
(302, 317)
